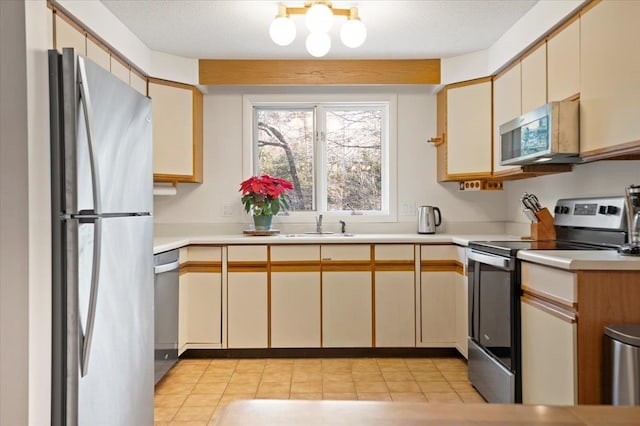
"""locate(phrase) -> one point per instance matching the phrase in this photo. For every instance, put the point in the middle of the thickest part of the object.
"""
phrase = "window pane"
(354, 159)
(285, 150)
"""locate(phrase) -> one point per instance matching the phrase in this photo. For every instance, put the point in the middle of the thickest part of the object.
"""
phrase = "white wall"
(14, 226)
(603, 178)
(196, 205)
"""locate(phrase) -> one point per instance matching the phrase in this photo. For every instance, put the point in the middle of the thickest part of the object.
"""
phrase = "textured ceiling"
(220, 29)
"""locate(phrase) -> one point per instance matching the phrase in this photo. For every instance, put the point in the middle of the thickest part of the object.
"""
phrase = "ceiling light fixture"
(319, 19)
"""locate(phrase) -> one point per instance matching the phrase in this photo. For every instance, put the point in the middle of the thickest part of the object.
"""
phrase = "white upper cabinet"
(563, 63)
(609, 77)
(98, 54)
(534, 79)
(507, 105)
(120, 70)
(67, 35)
(469, 129)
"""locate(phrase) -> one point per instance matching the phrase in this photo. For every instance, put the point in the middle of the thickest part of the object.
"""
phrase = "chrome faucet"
(319, 224)
(343, 226)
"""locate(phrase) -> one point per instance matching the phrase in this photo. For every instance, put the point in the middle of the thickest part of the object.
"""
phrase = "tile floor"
(195, 390)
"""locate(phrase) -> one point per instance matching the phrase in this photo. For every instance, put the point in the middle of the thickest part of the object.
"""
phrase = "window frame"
(327, 101)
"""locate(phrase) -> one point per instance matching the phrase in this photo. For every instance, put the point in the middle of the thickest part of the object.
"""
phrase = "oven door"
(494, 326)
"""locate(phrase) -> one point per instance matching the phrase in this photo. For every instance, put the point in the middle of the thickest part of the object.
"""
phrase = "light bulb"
(282, 31)
(353, 33)
(319, 18)
(318, 44)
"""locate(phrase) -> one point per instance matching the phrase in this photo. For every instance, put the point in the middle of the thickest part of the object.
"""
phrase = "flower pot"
(262, 223)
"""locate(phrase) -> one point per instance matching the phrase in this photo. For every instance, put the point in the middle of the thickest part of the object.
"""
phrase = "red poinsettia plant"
(264, 194)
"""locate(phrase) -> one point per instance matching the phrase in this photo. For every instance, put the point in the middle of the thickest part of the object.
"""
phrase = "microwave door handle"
(497, 261)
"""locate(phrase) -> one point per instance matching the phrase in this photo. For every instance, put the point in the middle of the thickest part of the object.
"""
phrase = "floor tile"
(185, 378)
(202, 400)
(339, 396)
(164, 414)
(189, 423)
(462, 386)
(306, 377)
(165, 388)
(241, 388)
(443, 397)
(246, 378)
(169, 400)
(435, 376)
(374, 396)
(272, 396)
(456, 376)
(271, 387)
(435, 387)
(371, 387)
(209, 388)
(403, 387)
(338, 387)
(282, 376)
(300, 387)
(473, 397)
(337, 377)
(368, 377)
(194, 414)
(408, 396)
(397, 376)
(306, 395)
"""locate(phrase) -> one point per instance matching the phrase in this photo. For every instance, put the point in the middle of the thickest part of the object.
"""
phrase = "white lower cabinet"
(462, 314)
(395, 317)
(549, 357)
(201, 296)
(438, 308)
(346, 309)
(247, 317)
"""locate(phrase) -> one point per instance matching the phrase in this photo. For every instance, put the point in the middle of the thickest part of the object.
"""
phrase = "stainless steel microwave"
(548, 134)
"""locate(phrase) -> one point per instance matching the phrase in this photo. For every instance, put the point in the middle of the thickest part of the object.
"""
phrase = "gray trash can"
(622, 364)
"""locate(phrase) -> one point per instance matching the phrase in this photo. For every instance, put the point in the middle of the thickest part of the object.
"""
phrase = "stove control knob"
(602, 210)
(564, 210)
(612, 210)
(557, 209)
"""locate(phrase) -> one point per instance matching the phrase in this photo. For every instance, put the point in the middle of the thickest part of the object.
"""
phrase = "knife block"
(544, 229)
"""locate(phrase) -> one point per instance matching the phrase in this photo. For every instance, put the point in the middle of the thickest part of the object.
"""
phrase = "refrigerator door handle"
(93, 298)
(85, 100)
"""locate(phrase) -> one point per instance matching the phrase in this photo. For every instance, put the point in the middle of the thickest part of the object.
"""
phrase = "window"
(335, 154)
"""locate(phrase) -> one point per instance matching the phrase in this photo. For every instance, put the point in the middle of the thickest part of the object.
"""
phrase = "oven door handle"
(497, 261)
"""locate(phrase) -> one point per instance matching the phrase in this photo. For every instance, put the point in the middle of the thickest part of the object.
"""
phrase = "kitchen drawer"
(346, 252)
(247, 253)
(295, 252)
(204, 254)
(551, 283)
(394, 252)
(438, 252)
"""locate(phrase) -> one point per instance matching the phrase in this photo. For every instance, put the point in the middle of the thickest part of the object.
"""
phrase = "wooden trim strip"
(171, 83)
(247, 266)
(307, 72)
(441, 266)
(394, 265)
(295, 268)
(548, 297)
(468, 82)
(198, 134)
(331, 267)
(550, 308)
(200, 266)
(372, 256)
(161, 177)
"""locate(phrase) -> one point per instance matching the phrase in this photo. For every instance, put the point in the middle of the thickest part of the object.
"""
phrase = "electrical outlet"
(470, 185)
(227, 210)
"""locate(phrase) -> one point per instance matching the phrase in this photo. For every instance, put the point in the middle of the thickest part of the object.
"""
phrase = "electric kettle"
(427, 219)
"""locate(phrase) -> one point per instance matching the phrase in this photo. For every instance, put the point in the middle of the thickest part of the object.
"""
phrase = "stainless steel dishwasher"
(166, 266)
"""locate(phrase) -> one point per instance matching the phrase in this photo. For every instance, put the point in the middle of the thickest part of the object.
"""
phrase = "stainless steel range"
(494, 289)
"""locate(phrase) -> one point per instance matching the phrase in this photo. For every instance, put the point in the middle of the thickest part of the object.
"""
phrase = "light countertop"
(582, 259)
(161, 244)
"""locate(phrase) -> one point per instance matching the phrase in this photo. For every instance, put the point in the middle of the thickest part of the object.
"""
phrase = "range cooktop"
(510, 248)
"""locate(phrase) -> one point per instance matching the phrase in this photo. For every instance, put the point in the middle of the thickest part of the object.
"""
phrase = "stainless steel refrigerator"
(102, 182)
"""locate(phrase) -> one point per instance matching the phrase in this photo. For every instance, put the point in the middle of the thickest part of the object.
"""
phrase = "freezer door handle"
(85, 100)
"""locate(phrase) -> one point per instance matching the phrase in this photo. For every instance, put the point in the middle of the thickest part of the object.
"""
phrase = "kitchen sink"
(317, 234)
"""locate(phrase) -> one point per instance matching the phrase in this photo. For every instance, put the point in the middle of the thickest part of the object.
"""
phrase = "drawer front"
(552, 283)
(394, 252)
(438, 252)
(204, 254)
(346, 252)
(247, 253)
(295, 252)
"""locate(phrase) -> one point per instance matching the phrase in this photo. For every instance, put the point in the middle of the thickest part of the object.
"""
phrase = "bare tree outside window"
(352, 149)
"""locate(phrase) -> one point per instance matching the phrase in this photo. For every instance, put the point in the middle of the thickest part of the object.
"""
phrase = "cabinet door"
(346, 309)
(469, 129)
(395, 301)
(462, 314)
(202, 307)
(177, 136)
(120, 70)
(563, 63)
(67, 35)
(247, 310)
(507, 105)
(98, 54)
(138, 82)
(609, 76)
(534, 79)
(548, 358)
(295, 309)
(438, 308)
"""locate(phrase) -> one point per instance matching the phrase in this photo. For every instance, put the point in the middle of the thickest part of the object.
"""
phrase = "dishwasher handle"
(159, 269)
